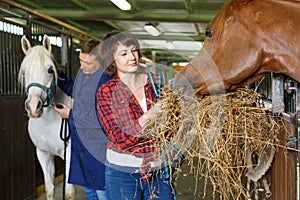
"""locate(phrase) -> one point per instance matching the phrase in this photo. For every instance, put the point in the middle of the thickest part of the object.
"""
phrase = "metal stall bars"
(292, 102)
(285, 99)
(282, 95)
(10, 57)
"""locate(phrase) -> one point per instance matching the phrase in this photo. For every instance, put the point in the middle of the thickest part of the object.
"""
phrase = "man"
(88, 141)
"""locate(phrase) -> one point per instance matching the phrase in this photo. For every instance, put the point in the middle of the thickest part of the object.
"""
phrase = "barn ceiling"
(181, 22)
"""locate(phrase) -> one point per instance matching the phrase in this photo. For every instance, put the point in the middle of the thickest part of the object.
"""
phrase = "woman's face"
(126, 59)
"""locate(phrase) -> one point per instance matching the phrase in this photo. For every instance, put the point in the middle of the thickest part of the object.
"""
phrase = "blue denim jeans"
(123, 183)
(101, 194)
(95, 194)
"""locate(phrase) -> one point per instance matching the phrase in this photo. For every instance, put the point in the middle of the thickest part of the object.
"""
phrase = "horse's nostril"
(39, 105)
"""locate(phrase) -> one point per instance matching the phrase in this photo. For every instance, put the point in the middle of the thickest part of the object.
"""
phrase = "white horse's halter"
(48, 91)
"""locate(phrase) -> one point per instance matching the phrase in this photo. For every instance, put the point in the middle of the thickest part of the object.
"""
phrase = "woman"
(124, 105)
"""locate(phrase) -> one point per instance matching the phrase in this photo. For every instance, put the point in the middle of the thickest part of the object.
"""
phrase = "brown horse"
(246, 39)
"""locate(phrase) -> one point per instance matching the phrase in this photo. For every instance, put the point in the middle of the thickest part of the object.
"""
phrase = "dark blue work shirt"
(88, 140)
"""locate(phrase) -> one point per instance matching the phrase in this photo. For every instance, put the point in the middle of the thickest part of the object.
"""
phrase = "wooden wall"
(17, 152)
(283, 172)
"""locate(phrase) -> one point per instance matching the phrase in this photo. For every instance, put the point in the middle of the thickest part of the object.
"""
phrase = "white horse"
(38, 76)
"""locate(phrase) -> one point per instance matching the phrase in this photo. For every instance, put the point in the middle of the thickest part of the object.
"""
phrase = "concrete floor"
(185, 189)
(58, 193)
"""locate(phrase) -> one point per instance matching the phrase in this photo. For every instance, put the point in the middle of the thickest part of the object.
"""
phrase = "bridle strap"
(48, 90)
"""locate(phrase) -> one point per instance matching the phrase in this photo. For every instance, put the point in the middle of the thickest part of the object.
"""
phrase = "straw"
(214, 133)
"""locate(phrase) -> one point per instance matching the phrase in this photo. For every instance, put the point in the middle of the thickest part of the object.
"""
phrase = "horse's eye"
(208, 33)
(50, 71)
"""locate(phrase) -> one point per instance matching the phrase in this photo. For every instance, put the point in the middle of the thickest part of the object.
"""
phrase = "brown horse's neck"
(281, 44)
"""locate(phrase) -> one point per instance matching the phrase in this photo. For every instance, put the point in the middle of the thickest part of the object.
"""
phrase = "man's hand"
(62, 110)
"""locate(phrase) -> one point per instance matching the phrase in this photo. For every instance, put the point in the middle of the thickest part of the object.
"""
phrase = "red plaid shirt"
(119, 112)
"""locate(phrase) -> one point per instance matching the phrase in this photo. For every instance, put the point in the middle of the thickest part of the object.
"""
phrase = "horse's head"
(228, 54)
(38, 76)
(246, 39)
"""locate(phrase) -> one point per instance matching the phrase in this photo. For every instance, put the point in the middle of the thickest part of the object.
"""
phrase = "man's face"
(88, 63)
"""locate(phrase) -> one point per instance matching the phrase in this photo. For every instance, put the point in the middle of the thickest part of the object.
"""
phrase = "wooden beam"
(81, 4)
(31, 4)
(114, 25)
(178, 37)
(134, 6)
(140, 16)
(188, 6)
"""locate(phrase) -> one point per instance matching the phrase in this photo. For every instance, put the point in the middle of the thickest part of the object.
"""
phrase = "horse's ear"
(26, 46)
(46, 43)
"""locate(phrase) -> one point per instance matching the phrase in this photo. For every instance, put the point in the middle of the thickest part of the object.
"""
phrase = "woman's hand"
(149, 114)
(62, 110)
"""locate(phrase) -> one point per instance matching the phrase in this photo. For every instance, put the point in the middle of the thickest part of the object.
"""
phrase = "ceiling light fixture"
(152, 30)
(169, 45)
(122, 4)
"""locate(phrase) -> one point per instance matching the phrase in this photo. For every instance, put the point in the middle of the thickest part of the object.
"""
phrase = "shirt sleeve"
(117, 119)
(65, 83)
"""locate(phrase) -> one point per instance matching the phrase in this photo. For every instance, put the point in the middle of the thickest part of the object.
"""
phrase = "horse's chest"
(45, 135)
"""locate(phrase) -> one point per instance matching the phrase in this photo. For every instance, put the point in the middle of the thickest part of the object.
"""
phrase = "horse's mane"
(33, 64)
(217, 24)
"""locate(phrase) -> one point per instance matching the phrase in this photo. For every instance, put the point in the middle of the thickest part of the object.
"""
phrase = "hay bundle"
(214, 133)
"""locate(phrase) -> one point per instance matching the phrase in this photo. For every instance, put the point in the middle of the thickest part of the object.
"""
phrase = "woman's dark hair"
(109, 45)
